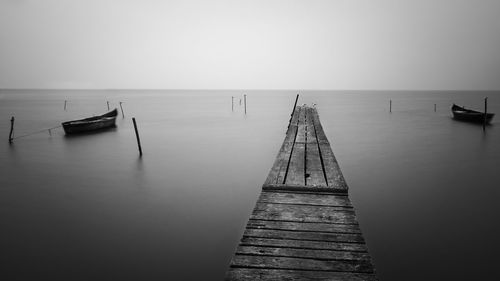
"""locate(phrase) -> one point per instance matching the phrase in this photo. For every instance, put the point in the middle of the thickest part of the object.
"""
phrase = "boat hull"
(473, 117)
(108, 122)
(90, 124)
(468, 115)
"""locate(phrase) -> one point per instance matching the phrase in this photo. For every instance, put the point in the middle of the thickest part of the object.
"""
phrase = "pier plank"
(303, 253)
(299, 264)
(303, 235)
(334, 176)
(257, 274)
(305, 198)
(303, 244)
(315, 176)
(320, 133)
(310, 131)
(296, 169)
(303, 213)
(299, 226)
(277, 173)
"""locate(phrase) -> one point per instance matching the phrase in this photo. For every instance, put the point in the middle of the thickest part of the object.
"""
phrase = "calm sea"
(426, 188)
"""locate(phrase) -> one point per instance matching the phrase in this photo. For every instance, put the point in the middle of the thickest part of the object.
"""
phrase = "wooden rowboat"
(469, 115)
(95, 123)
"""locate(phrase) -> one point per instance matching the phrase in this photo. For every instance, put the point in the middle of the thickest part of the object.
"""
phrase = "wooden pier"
(303, 226)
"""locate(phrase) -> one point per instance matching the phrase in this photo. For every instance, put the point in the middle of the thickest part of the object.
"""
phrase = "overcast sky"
(254, 44)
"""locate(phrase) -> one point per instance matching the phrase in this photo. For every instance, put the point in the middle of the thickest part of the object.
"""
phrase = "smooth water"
(425, 187)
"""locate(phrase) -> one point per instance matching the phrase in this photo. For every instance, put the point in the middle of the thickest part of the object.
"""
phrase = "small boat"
(95, 123)
(469, 115)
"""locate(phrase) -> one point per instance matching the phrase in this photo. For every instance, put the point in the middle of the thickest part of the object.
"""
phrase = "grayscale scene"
(249, 140)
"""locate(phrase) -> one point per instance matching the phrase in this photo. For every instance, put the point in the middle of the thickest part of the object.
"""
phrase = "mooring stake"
(137, 136)
(390, 106)
(245, 102)
(65, 104)
(108, 104)
(123, 115)
(485, 113)
(11, 129)
(232, 103)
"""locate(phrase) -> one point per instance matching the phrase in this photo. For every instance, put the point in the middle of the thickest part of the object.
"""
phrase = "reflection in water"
(88, 207)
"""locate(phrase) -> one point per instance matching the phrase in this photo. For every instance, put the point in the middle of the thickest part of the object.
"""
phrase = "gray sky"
(254, 44)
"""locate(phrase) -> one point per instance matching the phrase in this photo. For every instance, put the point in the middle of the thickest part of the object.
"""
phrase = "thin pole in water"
(245, 101)
(390, 106)
(137, 136)
(108, 104)
(123, 115)
(434, 107)
(485, 112)
(65, 105)
(232, 103)
(11, 129)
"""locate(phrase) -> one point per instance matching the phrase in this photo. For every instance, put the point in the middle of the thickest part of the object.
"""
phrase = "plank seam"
(312, 192)
(305, 148)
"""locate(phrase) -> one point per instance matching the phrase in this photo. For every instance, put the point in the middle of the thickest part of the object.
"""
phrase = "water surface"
(425, 187)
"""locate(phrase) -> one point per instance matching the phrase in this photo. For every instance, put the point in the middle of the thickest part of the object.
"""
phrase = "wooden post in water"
(485, 113)
(108, 104)
(245, 102)
(232, 103)
(137, 136)
(65, 105)
(123, 115)
(390, 106)
(11, 129)
(434, 107)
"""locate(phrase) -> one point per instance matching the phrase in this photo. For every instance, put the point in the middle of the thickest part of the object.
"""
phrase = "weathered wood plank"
(296, 169)
(291, 133)
(314, 169)
(334, 176)
(301, 134)
(278, 170)
(303, 253)
(300, 235)
(303, 244)
(299, 226)
(301, 213)
(303, 188)
(310, 130)
(257, 274)
(248, 261)
(305, 199)
(320, 134)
